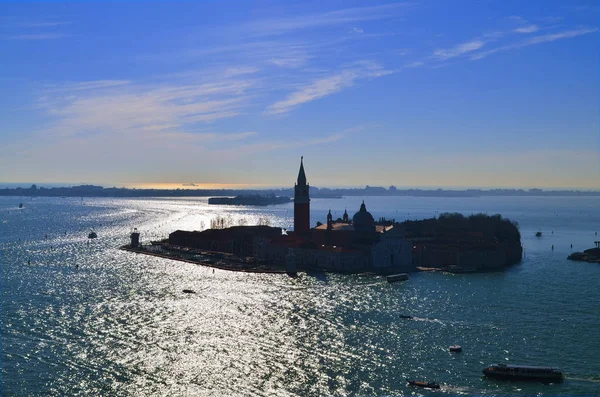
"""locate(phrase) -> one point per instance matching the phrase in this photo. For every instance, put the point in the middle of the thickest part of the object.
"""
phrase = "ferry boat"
(523, 372)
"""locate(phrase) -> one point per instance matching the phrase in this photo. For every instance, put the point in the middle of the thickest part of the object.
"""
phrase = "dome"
(363, 220)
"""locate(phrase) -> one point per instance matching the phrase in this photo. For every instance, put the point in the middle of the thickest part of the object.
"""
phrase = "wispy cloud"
(24, 28)
(35, 36)
(85, 85)
(327, 137)
(461, 49)
(286, 54)
(327, 85)
(188, 137)
(331, 18)
(416, 64)
(517, 19)
(290, 59)
(139, 123)
(535, 40)
(524, 25)
(527, 29)
(121, 107)
(269, 146)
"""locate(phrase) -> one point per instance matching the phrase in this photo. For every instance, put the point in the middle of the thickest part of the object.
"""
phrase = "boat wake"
(429, 320)
(455, 389)
(594, 380)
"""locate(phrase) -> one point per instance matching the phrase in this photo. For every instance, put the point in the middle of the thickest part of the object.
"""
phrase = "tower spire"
(301, 175)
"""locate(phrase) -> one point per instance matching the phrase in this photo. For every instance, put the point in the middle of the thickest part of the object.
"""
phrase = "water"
(120, 324)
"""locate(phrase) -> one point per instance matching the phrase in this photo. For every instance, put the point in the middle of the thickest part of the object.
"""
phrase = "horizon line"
(250, 187)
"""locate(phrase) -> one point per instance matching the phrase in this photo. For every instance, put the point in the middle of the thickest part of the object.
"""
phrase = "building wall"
(320, 258)
(392, 252)
(445, 255)
(338, 237)
(344, 251)
(349, 261)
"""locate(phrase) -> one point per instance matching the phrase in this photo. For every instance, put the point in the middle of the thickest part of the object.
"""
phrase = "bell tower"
(301, 202)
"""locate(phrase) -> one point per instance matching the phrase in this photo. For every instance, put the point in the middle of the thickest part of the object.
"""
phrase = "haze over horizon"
(420, 93)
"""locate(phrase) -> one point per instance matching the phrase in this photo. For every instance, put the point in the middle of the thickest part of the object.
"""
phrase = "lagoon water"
(120, 325)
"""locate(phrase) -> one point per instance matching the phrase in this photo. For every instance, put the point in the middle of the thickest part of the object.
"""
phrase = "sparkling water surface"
(119, 324)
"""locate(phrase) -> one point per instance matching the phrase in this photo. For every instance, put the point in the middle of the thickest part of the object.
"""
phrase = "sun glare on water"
(159, 185)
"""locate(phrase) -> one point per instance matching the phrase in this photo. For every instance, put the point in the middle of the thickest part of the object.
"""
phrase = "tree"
(220, 222)
(264, 221)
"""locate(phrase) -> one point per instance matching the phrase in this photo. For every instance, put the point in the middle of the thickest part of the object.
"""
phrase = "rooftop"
(349, 227)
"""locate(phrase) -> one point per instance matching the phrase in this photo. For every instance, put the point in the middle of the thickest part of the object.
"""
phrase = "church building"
(357, 245)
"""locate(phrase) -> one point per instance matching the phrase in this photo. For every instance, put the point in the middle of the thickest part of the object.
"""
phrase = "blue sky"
(417, 93)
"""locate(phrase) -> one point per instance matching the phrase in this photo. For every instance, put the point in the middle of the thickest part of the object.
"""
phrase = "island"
(254, 199)
(451, 242)
(591, 255)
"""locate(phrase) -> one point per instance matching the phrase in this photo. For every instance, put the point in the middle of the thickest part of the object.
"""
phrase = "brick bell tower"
(301, 202)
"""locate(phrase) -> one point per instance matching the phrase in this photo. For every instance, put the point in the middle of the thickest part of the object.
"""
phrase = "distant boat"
(406, 316)
(455, 348)
(397, 277)
(538, 234)
(428, 385)
(523, 372)
(92, 234)
(21, 205)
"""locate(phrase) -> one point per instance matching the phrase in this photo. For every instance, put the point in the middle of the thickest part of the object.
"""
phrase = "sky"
(419, 93)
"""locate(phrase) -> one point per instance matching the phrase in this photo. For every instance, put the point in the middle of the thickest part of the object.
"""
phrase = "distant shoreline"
(99, 191)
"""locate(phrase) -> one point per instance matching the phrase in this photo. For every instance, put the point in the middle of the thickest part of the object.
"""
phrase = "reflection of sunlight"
(121, 324)
(161, 185)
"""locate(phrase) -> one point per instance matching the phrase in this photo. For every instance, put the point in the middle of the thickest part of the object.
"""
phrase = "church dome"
(363, 220)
